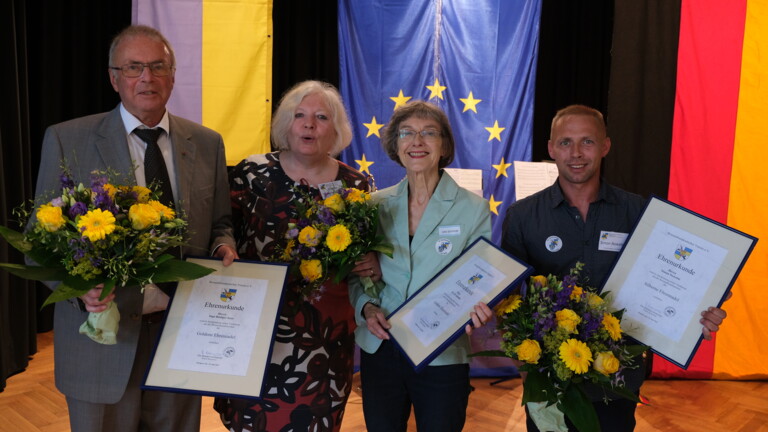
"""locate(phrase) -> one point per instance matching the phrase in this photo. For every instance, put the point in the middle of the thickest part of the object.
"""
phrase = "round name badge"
(553, 243)
(443, 246)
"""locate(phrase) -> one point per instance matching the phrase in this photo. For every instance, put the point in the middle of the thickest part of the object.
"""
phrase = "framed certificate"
(435, 316)
(674, 265)
(217, 336)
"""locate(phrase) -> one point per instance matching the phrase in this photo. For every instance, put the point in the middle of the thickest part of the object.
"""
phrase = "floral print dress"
(310, 372)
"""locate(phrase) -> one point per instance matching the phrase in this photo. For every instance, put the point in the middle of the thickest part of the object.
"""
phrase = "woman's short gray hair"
(283, 117)
(424, 110)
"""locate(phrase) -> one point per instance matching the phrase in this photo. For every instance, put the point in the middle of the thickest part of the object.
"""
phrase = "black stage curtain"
(642, 95)
(57, 57)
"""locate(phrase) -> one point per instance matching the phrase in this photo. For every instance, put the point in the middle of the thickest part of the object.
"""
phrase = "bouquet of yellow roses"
(565, 336)
(102, 234)
(328, 236)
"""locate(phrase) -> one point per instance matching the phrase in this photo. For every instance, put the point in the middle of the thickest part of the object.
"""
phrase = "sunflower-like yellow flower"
(310, 236)
(568, 320)
(335, 202)
(540, 280)
(338, 238)
(595, 300)
(97, 224)
(612, 325)
(165, 211)
(606, 363)
(357, 196)
(576, 293)
(576, 355)
(508, 305)
(143, 216)
(528, 351)
(50, 218)
(311, 270)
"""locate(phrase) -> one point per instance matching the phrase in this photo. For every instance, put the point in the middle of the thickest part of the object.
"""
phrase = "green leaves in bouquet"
(579, 410)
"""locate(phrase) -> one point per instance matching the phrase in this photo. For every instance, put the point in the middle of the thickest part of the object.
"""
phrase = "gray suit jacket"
(84, 369)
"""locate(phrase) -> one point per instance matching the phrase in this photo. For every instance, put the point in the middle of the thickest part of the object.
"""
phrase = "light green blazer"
(453, 219)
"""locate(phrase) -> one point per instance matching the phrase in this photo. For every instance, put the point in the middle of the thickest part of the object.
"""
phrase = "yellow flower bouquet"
(104, 234)
(328, 236)
(564, 336)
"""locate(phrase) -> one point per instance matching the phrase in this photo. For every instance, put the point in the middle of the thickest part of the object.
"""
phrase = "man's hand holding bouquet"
(104, 235)
(565, 337)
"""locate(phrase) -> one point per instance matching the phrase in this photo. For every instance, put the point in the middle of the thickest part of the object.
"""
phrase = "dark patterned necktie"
(155, 172)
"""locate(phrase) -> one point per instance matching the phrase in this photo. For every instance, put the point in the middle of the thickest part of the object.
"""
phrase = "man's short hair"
(134, 31)
(581, 110)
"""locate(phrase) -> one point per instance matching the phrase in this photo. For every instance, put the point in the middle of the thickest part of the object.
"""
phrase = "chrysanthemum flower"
(540, 280)
(143, 216)
(142, 193)
(286, 255)
(309, 236)
(606, 363)
(612, 325)
(50, 218)
(338, 238)
(528, 351)
(568, 320)
(357, 196)
(576, 293)
(110, 189)
(335, 202)
(576, 355)
(508, 305)
(311, 270)
(97, 224)
(165, 211)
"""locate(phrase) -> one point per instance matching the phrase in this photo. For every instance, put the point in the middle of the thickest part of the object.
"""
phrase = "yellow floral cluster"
(328, 236)
(563, 333)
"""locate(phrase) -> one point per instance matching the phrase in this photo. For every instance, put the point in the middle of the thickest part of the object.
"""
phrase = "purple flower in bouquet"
(77, 209)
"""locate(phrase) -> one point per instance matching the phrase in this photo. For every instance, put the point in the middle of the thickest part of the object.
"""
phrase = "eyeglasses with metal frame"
(134, 70)
(428, 135)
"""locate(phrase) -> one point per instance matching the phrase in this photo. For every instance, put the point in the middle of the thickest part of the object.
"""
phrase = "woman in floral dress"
(310, 373)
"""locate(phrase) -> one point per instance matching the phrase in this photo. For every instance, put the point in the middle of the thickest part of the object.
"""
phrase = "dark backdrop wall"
(56, 53)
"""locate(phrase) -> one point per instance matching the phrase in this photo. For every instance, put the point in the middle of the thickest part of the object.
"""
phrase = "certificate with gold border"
(218, 332)
(435, 316)
(675, 264)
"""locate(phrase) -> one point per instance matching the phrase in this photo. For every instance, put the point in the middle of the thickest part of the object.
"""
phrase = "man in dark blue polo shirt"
(582, 219)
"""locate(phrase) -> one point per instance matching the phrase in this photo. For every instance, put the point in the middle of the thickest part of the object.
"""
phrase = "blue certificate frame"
(675, 264)
(217, 336)
(435, 316)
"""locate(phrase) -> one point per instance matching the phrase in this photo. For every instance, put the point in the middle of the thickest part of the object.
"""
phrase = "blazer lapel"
(442, 200)
(112, 146)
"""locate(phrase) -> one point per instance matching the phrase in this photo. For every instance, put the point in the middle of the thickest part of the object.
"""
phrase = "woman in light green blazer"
(429, 219)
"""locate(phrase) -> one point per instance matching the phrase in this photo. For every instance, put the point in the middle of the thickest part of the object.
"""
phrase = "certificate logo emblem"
(229, 351)
(553, 243)
(227, 295)
(670, 311)
(682, 253)
(443, 246)
(475, 278)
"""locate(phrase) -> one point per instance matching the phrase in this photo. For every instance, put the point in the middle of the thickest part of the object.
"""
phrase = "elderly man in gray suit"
(102, 382)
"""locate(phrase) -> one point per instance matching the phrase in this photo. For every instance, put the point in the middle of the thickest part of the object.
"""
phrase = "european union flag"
(475, 59)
